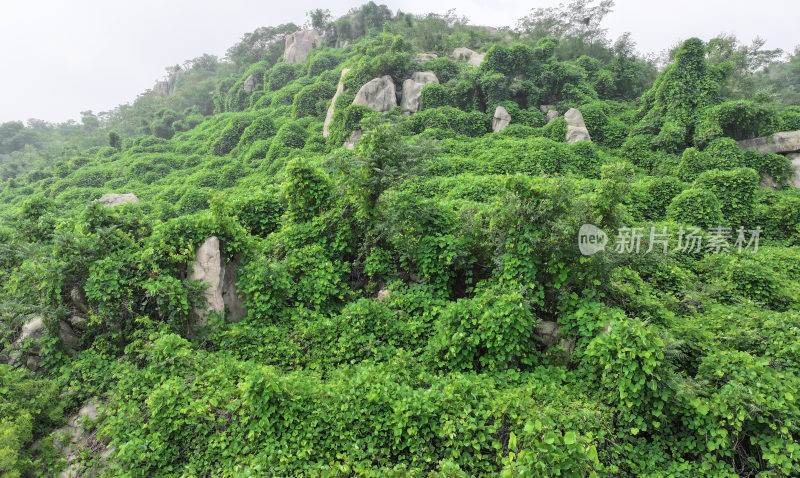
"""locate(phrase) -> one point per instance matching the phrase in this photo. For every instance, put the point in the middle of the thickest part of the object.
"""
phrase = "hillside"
(400, 245)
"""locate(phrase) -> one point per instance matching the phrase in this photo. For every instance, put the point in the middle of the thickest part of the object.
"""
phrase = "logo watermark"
(691, 240)
(591, 239)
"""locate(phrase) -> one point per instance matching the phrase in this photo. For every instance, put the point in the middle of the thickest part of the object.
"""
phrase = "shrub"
(491, 332)
(698, 207)
(651, 196)
(313, 100)
(629, 363)
(735, 190)
(433, 95)
(446, 117)
(281, 75)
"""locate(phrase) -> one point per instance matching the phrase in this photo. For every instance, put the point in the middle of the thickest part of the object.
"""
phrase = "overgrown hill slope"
(459, 291)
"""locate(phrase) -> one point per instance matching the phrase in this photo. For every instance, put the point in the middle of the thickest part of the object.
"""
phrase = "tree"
(319, 18)
(746, 60)
(114, 140)
(203, 62)
(262, 44)
(783, 79)
(578, 19)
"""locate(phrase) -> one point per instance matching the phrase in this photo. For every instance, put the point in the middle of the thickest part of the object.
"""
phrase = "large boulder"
(299, 43)
(412, 89)
(219, 276)
(501, 119)
(111, 200)
(27, 348)
(249, 84)
(785, 142)
(470, 56)
(329, 115)
(576, 128)
(378, 94)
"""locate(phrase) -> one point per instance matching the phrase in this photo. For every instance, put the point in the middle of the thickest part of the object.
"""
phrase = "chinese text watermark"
(691, 240)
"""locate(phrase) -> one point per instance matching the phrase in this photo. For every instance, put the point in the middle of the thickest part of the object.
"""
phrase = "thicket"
(418, 304)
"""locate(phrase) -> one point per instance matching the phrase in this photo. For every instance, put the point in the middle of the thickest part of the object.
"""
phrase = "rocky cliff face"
(298, 44)
(167, 87)
(219, 275)
(786, 143)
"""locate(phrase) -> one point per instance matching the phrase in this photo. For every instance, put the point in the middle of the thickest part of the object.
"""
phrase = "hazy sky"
(60, 57)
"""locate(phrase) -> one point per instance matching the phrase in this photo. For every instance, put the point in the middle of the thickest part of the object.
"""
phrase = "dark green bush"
(698, 207)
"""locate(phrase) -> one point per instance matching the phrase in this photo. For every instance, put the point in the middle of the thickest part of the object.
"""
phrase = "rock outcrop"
(470, 56)
(412, 90)
(27, 348)
(111, 200)
(501, 119)
(786, 143)
(167, 87)
(378, 94)
(329, 115)
(549, 111)
(249, 84)
(549, 336)
(79, 436)
(299, 43)
(353, 139)
(782, 143)
(219, 276)
(576, 128)
(423, 57)
(795, 159)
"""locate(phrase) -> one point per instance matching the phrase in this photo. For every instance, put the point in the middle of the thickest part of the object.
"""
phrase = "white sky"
(60, 57)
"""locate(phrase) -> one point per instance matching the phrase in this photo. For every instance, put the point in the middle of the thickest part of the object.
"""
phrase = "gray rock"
(768, 182)
(299, 43)
(576, 128)
(547, 331)
(111, 200)
(167, 87)
(412, 89)
(329, 115)
(220, 279)
(785, 142)
(76, 321)
(470, 56)
(32, 330)
(78, 298)
(501, 119)
(546, 108)
(383, 294)
(423, 57)
(80, 435)
(68, 337)
(28, 346)
(549, 336)
(795, 159)
(353, 139)
(33, 363)
(378, 94)
(249, 84)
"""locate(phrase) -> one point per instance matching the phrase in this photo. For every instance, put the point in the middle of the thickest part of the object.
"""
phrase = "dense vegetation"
(684, 362)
